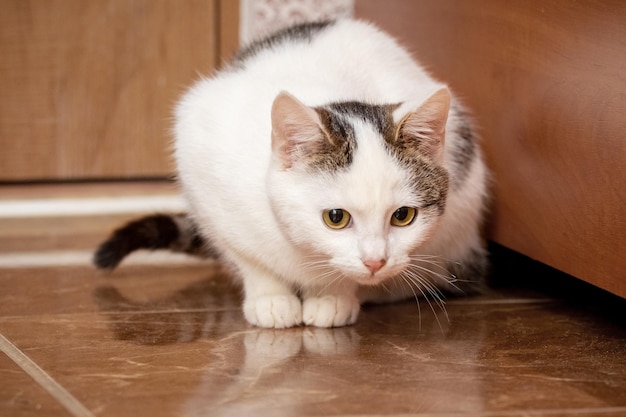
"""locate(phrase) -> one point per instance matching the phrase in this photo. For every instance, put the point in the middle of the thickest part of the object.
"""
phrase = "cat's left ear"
(296, 129)
(424, 129)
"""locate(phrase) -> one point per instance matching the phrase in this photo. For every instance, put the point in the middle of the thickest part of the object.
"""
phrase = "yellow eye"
(336, 218)
(404, 216)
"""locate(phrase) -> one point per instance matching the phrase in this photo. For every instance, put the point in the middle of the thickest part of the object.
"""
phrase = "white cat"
(329, 169)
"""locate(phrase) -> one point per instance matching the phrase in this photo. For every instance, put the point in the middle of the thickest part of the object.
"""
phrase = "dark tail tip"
(152, 232)
(108, 255)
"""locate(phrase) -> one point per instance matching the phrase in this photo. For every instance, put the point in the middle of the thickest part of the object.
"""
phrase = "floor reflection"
(191, 313)
(274, 372)
(310, 371)
(396, 359)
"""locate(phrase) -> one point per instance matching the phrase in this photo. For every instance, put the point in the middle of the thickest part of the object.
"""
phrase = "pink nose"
(374, 266)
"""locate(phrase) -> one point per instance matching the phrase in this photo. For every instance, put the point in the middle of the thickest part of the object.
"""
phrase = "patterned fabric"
(261, 17)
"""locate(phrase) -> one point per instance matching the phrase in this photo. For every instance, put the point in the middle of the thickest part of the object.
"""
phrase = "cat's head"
(358, 186)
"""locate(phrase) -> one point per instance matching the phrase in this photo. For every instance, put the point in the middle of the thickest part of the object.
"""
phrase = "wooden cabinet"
(547, 83)
(87, 90)
(88, 87)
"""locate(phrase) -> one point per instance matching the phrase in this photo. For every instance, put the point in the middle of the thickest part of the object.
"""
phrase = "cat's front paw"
(273, 311)
(330, 311)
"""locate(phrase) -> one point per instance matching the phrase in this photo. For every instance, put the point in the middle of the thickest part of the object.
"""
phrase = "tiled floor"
(168, 339)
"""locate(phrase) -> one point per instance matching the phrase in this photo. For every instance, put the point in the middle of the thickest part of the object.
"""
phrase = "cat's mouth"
(373, 278)
(338, 269)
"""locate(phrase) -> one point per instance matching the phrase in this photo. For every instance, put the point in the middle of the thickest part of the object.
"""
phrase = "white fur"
(267, 221)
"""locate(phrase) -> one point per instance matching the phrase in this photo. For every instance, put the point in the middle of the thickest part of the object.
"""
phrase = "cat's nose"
(374, 265)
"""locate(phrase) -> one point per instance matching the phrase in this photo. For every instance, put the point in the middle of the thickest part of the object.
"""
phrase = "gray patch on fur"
(378, 116)
(464, 149)
(431, 180)
(304, 32)
(338, 151)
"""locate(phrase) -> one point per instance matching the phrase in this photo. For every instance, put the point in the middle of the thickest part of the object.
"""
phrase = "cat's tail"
(158, 231)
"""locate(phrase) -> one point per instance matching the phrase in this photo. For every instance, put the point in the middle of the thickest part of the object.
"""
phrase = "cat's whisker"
(333, 277)
(416, 284)
(425, 258)
(422, 282)
(428, 276)
(325, 272)
(336, 280)
(439, 268)
(387, 290)
(420, 285)
(423, 285)
(422, 256)
(316, 268)
(440, 271)
(315, 262)
(419, 309)
(423, 273)
(444, 276)
(437, 294)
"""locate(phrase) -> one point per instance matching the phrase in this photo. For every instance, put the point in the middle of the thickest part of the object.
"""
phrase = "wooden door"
(547, 83)
(87, 88)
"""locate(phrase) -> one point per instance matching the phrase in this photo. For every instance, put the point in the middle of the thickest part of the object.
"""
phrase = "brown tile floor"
(170, 340)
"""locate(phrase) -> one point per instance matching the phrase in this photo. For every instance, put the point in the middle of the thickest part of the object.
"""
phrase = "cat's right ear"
(296, 129)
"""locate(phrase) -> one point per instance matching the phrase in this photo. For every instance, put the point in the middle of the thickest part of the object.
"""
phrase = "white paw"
(330, 311)
(273, 311)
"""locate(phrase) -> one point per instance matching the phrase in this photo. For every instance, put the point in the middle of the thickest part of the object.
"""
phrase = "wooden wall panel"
(229, 29)
(87, 87)
(547, 83)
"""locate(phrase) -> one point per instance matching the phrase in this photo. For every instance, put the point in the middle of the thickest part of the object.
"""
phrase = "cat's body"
(329, 169)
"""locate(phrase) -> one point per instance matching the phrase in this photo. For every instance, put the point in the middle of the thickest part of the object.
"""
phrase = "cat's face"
(357, 210)
(362, 223)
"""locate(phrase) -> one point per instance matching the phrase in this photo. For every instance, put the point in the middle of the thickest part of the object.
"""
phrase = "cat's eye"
(336, 218)
(404, 216)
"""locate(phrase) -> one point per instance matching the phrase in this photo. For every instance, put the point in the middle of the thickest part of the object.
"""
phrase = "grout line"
(85, 257)
(69, 316)
(71, 404)
(540, 412)
(498, 301)
(90, 206)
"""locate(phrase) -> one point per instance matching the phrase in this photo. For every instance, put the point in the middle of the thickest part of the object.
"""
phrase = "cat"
(329, 169)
